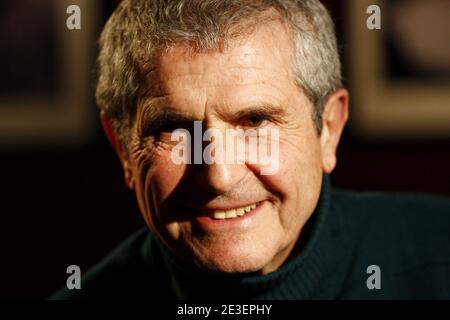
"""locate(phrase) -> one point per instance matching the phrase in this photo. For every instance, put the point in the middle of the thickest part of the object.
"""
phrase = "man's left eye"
(253, 121)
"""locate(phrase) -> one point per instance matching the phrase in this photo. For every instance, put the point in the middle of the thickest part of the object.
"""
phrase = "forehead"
(256, 64)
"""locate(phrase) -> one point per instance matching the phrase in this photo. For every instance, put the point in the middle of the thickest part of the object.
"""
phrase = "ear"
(334, 117)
(114, 140)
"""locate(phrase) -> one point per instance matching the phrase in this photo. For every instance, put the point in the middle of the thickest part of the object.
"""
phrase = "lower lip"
(206, 222)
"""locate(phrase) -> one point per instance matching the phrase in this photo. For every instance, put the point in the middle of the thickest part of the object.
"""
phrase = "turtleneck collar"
(316, 272)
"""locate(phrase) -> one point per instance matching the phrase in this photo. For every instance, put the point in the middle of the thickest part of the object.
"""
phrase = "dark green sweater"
(407, 236)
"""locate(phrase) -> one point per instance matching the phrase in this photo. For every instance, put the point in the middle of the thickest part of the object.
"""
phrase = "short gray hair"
(139, 29)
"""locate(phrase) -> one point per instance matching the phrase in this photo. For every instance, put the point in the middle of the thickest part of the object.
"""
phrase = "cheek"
(163, 176)
(303, 174)
(298, 180)
(158, 180)
(299, 161)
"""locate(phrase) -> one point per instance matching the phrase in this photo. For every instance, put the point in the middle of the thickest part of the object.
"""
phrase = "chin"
(234, 261)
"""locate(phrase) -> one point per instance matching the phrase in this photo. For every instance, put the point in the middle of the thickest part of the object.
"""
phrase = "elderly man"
(222, 229)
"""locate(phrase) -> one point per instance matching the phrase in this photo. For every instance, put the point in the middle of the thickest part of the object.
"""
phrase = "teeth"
(219, 214)
(240, 212)
(232, 213)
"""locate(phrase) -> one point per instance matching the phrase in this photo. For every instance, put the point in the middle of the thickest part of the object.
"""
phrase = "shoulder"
(393, 202)
(396, 214)
(406, 235)
(124, 273)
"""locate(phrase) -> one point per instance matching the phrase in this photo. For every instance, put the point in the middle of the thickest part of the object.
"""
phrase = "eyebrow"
(157, 119)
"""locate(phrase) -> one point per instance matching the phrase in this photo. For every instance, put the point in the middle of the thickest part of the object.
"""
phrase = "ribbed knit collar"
(317, 272)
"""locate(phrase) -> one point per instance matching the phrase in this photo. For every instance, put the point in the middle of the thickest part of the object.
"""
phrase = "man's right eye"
(166, 127)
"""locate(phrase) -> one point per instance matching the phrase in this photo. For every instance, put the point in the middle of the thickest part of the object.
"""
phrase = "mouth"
(231, 213)
(231, 218)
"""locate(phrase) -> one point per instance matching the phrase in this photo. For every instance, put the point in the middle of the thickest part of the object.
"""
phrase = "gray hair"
(139, 29)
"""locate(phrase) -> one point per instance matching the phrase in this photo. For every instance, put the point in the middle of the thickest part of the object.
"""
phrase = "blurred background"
(63, 198)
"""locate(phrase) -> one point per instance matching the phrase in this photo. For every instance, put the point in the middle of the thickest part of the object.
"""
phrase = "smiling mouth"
(232, 213)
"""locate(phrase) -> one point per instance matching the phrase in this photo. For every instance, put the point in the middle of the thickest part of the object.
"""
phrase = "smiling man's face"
(249, 85)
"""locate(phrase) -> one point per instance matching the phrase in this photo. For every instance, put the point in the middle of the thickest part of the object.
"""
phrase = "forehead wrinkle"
(259, 83)
(229, 86)
(163, 102)
(220, 62)
(237, 70)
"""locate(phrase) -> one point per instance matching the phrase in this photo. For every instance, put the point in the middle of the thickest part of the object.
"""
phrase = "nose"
(223, 173)
(218, 177)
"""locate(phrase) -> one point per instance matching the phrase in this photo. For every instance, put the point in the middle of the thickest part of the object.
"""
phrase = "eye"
(254, 120)
(165, 127)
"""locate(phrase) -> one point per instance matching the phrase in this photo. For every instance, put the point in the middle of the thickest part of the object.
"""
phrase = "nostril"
(219, 178)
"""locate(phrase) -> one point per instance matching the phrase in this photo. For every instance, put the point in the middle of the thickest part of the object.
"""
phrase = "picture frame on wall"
(399, 75)
(46, 84)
